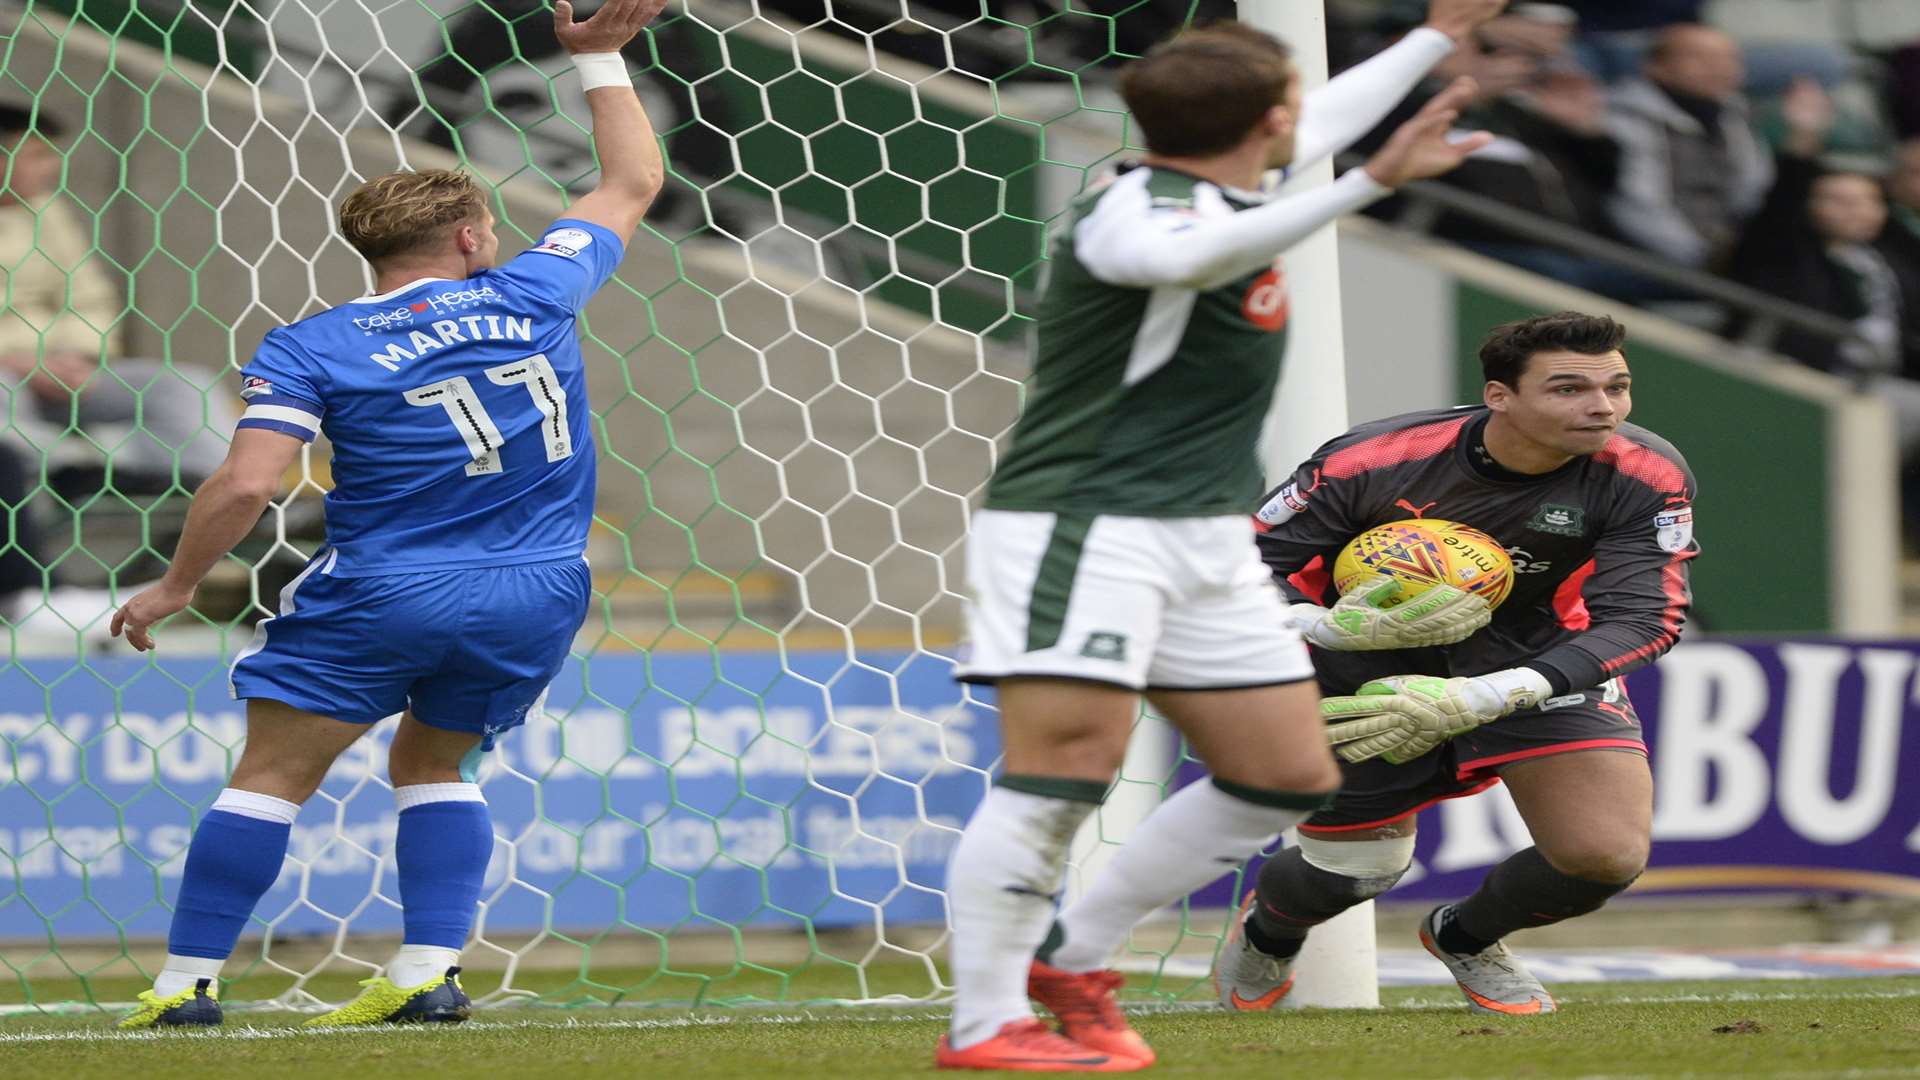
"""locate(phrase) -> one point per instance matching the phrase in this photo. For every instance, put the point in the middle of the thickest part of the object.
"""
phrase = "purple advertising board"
(1778, 766)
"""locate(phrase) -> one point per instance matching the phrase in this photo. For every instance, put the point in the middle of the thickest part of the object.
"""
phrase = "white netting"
(747, 781)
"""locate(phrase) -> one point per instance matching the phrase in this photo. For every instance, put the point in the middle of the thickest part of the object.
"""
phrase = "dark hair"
(20, 119)
(1504, 356)
(1668, 39)
(1200, 91)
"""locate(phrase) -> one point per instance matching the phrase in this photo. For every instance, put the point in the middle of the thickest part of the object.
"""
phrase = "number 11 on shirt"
(477, 428)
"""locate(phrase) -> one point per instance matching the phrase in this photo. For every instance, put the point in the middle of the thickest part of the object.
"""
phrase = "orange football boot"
(1088, 1013)
(1031, 1046)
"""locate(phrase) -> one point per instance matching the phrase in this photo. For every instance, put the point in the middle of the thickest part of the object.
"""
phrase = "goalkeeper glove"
(1405, 716)
(1438, 615)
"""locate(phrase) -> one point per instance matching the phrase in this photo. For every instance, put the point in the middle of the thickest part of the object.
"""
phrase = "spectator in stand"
(1692, 170)
(61, 322)
(1820, 239)
(1823, 239)
(1616, 34)
(1552, 155)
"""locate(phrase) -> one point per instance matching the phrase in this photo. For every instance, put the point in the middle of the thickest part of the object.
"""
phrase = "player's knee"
(1072, 752)
(1371, 866)
(1309, 774)
(408, 765)
(293, 778)
(1600, 858)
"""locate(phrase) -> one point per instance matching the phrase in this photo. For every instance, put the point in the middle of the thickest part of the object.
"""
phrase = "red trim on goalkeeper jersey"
(1395, 448)
(1674, 584)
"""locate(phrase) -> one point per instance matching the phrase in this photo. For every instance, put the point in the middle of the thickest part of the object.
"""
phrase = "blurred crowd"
(1633, 121)
(1787, 159)
(1789, 166)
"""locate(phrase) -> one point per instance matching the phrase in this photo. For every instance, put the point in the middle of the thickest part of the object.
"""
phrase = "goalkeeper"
(1598, 519)
(1597, 515)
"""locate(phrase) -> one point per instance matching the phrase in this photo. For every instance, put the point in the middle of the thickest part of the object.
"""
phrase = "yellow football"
(1423, 552)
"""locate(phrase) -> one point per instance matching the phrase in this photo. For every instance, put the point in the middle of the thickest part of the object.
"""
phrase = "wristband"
(602, 69)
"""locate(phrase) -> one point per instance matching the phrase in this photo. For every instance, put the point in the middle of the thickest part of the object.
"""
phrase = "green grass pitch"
(1792, 1028)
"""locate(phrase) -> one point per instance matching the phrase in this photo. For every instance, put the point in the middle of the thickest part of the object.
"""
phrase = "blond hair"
(399, 212)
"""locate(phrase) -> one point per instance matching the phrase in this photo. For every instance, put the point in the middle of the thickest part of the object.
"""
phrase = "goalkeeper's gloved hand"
(1438, 615)
(1404, 716)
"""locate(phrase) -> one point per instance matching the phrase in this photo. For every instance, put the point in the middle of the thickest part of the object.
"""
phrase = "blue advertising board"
(693, 790)
(657, 791)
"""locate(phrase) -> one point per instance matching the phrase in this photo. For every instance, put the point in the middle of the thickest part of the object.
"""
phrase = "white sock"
(415, 964)
(1191, 839)
(1000, 889)
(181, 972)
(255, 805)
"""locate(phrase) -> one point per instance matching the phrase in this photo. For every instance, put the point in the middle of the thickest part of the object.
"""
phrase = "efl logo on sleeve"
(1674, 528)
(254, 386)
(567, 243)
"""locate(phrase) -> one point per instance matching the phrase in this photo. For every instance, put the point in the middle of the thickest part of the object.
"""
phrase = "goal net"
(746, 782)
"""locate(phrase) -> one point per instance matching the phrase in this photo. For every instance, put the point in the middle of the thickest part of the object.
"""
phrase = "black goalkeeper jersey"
(1600, 546)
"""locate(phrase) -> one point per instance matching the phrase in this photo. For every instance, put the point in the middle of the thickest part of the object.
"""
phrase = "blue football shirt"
(457, 411)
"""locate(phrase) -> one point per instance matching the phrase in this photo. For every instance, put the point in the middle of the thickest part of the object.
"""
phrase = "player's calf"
(232, 861)
(1526, 891)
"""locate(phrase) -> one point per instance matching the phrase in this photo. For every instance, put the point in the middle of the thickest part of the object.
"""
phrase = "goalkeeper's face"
(1567, 401)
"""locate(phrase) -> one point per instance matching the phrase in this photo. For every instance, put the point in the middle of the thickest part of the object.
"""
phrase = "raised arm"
(631, 169)
(1336, 115)
(1127, 242)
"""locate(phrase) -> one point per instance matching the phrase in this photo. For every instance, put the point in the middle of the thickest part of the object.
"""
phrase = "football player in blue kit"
(453, 578)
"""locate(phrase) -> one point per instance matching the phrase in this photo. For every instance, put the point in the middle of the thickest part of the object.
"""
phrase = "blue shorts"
(466, 650)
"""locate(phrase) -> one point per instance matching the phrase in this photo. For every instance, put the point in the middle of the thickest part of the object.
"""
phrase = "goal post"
(1337, 967)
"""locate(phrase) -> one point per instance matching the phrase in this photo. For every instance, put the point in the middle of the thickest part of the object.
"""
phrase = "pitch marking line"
(248, 1034)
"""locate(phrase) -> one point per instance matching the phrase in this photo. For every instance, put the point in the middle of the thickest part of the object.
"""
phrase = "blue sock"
(235, 856)
(444, 844)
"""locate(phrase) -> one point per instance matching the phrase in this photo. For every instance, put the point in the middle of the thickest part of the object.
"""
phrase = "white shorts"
(1144, 603)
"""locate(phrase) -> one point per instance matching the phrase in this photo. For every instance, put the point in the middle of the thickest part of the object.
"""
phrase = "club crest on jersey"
(1674, 528)
(1266, 305)
(1559, 519)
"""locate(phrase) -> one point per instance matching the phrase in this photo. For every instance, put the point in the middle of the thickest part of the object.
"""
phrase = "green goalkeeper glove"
(1404, 716)
(1438, 615)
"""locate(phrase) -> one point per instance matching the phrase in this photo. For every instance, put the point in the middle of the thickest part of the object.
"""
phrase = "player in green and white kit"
(1114, 555)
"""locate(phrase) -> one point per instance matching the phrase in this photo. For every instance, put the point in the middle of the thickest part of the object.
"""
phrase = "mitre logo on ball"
(1424, 552)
